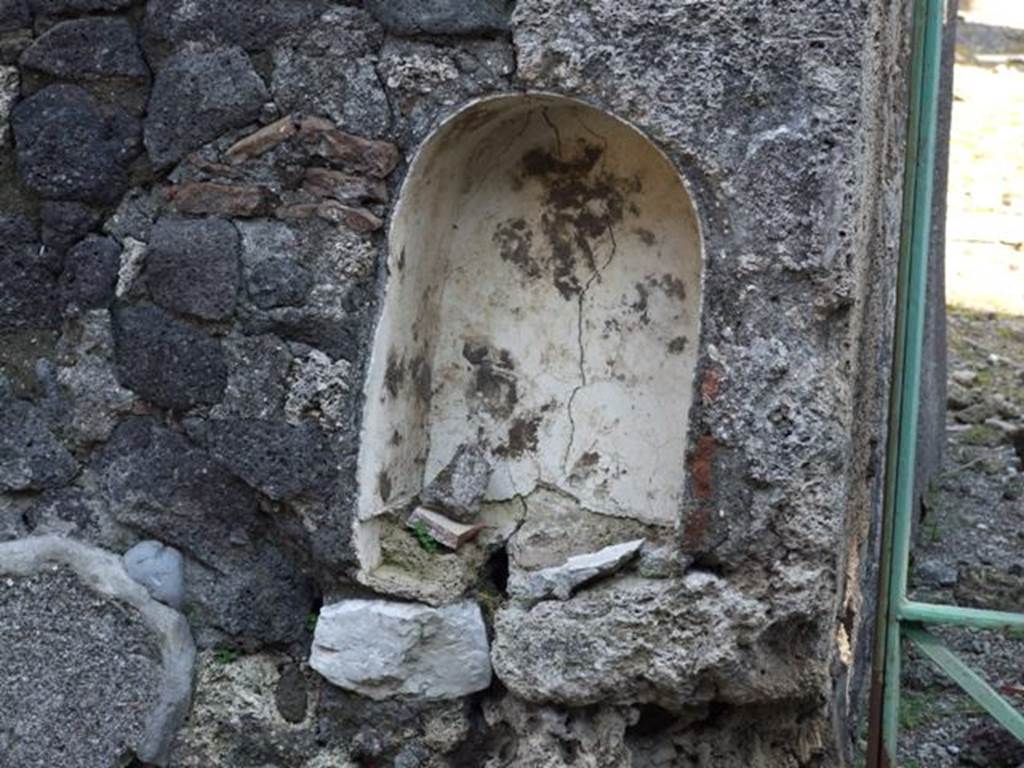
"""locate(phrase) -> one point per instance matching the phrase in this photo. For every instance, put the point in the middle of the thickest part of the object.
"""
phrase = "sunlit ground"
(985, 229)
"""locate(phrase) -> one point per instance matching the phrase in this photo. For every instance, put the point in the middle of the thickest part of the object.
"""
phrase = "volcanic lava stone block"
(278, 283)
(64, 224)
(31, 458)
(29, 297)
(167, 362)
(192, 266)
(14, 14)
(60, 7)
(441, 17)
(90, 273)
(279, 459)
(196, 97)
(238, 580)
(69, 150)
(83, 49)
(251, 24)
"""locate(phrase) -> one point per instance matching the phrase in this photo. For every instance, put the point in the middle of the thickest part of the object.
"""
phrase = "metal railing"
(900, 619)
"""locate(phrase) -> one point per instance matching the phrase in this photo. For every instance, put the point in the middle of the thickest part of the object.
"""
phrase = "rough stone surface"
(10, 89)
(90, 273)
(251, 24)
(84, 49)
(332, 72)
(192, 266)
(31, 297)
(62, 7)
(196, 97)
(31, 457)
(64, 224)
(160, 569)
(14, 14)
(561, 581)
(278, 282)
(441, 17)
(165, 361)
(279, 459)
(69, 150)
(459, 488)
(241, 585)
(94, 399)
(73, 622)
(420, 652)
(587, 650)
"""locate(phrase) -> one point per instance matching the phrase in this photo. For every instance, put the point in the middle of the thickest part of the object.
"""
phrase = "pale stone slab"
(562, 580)
(383, 650)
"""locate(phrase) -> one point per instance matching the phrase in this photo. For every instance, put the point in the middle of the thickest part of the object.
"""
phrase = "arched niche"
(543, 301)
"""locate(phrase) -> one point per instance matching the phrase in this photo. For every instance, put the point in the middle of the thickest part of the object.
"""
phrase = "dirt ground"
(971, 547)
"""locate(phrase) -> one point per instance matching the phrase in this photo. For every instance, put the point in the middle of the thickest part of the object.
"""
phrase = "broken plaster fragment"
(458, 490)
(444, 531)
(561, 581)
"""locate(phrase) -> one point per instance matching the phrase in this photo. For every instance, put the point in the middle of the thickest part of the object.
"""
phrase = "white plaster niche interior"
(542, 306)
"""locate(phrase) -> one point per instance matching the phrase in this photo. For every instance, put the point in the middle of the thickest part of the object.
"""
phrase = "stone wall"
(195, 254)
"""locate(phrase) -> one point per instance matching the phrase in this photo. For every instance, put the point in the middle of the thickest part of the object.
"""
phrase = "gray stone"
(160, 569)
(85, 49)
(10, 89)
(242, 586)
(257, 377)
(441, 17)
(235, 721)
(290, 694)
(934, 573)
(459, 488)
(31, 457)
(165, 361)
(88, 384)
(61, 7)
(320, 389)
(64, 224)
(561, 581)
(68, 149)
(332, 72)
(192, 266)
(278, 282)
(196, 97)
(419, 652)
(14, 14)
(72, 621)
(251, 24)
(610, 644)
(30, 297)
(74, 513)
(90, 273)
(279, 459)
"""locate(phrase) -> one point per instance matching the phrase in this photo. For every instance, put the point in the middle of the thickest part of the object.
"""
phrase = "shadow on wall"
(543, 305)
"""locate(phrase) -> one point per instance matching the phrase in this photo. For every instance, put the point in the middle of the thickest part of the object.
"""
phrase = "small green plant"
(226, 655)
(311, 620)
(916, 709)
(427, 542)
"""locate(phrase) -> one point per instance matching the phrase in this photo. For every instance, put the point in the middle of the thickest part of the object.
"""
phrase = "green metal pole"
(952, 615)
(911, 289)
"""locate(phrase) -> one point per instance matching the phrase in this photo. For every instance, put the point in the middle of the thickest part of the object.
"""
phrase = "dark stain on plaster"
(493, 387)
(422, 378)
(646, 236)
(384, 485)
(522, 437)
(580, 206)
(514, 239)
(677, 346)
(394, 374)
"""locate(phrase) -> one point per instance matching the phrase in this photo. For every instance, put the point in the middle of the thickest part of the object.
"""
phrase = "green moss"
(981, 435)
